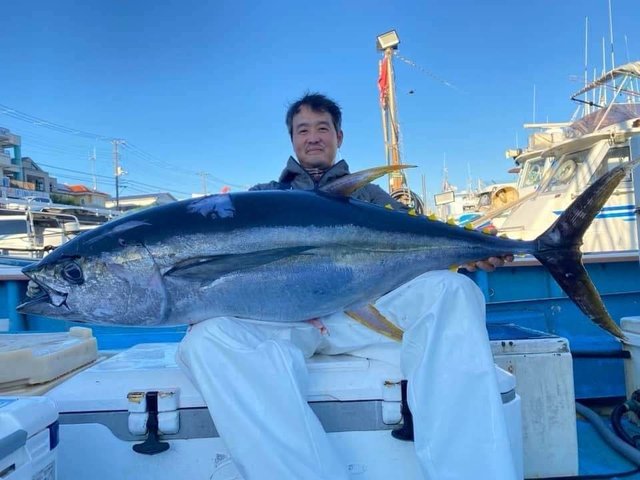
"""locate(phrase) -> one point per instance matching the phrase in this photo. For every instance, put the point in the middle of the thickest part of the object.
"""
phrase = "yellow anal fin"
(370, 317)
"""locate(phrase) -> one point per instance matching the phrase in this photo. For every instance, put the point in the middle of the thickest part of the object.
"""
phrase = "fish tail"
(558, 248)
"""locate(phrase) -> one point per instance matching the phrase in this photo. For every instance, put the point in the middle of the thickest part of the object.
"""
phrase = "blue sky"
(203, 86)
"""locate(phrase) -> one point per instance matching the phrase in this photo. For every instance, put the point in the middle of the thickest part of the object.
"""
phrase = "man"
(252, 374)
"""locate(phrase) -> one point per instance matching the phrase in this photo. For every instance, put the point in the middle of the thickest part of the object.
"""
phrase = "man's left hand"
(488, 265)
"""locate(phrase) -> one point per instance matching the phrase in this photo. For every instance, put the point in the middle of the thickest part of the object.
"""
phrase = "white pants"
(253, 378)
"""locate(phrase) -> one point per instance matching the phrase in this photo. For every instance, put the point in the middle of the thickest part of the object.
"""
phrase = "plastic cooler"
(105, 409)
(631, 329)
(543, 367)
(28, 438)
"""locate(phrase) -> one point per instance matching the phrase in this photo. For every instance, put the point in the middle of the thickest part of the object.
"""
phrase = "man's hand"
(488, 265)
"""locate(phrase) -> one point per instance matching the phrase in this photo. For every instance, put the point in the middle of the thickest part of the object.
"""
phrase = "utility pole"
(117, 170)
(204, 176)
(92, 159)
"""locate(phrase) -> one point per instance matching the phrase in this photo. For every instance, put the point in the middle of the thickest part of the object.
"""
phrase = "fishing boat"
(565, 159)
(30, 231)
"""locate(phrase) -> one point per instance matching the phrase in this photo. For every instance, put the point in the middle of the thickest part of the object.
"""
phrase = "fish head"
(121, 287)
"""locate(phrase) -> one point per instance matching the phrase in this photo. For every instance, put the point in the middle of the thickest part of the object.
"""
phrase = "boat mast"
(388, 43)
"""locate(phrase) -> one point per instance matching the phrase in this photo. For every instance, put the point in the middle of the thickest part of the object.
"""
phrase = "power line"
(40, 122)
(73, 171)
(13, 113)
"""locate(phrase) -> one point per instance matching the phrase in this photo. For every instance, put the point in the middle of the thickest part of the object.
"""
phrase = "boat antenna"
(534, 103)
(593, 92)
(613, 58)
(587, 107)
(603, 91)
(632, 98)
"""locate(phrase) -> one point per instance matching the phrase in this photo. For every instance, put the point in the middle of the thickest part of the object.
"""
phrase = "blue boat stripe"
(618, 207)
(625, 212)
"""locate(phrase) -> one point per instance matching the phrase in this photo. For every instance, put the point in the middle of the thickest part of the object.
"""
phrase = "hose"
(624, 449)
(616, 423)
(614, 442)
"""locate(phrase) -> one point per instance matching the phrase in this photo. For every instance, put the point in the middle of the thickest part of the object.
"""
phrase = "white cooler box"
(543, 365)
(28, 438)
(104, 412)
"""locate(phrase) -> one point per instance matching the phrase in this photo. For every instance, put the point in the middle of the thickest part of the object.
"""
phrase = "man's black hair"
(317, 103)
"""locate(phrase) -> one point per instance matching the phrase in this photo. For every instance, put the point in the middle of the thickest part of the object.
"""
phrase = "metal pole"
(634, 154)
(92, 158)
(116, 164)
(395, 177)
(203, 176)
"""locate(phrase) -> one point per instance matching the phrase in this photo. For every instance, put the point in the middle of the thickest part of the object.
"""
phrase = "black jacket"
(294, 177)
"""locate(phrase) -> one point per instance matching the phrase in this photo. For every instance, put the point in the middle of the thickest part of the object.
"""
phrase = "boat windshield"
(564, 171)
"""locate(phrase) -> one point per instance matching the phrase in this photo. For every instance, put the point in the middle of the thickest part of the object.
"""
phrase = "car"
(34, 199)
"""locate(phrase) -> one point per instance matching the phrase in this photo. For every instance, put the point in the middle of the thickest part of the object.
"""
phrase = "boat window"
(484, 200)
(11, 226)
(533, 170)
(615, 156)
(564, 170)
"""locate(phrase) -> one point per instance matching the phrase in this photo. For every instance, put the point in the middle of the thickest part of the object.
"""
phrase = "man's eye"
(72, 273)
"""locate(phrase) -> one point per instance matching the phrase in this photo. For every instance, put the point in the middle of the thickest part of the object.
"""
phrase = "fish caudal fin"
(558, 249)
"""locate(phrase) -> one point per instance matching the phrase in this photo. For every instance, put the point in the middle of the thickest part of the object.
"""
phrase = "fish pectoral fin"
(215, 266)
(348, 184)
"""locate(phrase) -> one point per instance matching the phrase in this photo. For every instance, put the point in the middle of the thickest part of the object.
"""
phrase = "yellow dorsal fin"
(350, 183)
(388, 206)
(412, 212)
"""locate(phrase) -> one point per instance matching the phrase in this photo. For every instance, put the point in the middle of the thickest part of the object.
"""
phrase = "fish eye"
(72, 273)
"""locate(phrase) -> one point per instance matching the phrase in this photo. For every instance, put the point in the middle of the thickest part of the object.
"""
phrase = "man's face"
(314, 137)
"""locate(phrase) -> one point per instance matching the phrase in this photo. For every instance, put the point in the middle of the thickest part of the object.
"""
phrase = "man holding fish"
(252, 374)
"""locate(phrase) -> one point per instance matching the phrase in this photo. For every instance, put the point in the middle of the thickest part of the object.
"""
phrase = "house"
(80, 195)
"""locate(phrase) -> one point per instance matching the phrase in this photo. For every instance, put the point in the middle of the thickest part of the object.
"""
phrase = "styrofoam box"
(33, 358)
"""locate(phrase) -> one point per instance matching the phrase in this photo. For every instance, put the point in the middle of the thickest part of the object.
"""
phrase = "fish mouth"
(31, 303)
(43, 294)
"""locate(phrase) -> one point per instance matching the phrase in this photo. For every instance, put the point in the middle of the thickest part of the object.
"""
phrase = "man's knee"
(447, 282)
(216, 334)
